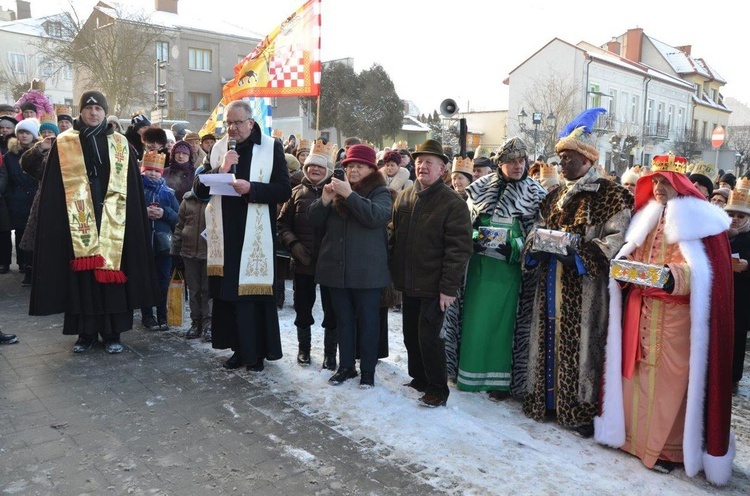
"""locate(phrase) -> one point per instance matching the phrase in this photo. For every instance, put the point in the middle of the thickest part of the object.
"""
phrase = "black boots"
(303, 337)
(330, 342)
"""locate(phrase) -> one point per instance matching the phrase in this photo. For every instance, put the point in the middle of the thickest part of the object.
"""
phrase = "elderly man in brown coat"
(429, 249)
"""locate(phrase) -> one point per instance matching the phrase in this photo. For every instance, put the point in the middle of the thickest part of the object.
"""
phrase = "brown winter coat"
(293, 225)
(431, 241)
(187, 241)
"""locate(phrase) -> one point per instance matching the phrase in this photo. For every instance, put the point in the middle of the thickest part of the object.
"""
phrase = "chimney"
(633, 49)
(685, 49)
(166, 6)
(23, 9)
(614, 46)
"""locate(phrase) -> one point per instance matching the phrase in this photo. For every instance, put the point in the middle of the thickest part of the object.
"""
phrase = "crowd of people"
(611, 306)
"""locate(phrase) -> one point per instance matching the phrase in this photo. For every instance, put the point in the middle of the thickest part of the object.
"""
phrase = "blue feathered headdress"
(576, 135)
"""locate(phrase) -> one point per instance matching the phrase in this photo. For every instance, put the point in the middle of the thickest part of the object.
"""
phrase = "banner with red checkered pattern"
(285, 63)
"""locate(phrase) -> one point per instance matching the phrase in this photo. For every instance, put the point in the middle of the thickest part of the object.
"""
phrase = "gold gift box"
(551, 241)
(493, 237)
(654, 276)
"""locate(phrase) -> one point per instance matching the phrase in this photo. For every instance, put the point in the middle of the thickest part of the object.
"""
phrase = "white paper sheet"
(219, 184)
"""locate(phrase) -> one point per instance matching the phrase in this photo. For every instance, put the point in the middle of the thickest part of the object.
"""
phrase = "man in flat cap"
(96, 249)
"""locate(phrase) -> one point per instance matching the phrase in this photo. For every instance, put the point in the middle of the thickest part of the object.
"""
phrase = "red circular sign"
(717, 137)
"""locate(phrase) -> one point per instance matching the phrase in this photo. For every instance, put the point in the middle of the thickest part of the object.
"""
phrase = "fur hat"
(578, 135)
(155, 135)
(29, 125)
(431, 147)
(93, 97)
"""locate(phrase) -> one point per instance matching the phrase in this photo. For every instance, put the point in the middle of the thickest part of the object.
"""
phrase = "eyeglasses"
(229, 124)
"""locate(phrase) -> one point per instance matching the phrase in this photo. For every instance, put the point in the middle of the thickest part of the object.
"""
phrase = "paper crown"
(38, 85)
(547, 171)
(669, 163)
(277, 133)
(704, 169)
(48, 118)
(63, 110)
(304, 144)
(465, 165)
(153, 160)
(739, 198)
(400, 145)
(321, 148)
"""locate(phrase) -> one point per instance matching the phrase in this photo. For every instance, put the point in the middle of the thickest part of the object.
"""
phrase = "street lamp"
(536, 119)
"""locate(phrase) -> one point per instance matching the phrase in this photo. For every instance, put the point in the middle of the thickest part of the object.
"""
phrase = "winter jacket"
(353, 253)
(4, 214)
(33, 162)
(293, 225)
(21, 186)
(187, 241)
(431, 241)
(159, 192)
(180, 178)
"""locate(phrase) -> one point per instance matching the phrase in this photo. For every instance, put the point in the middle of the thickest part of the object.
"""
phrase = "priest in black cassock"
(92, 256)
(241, 237)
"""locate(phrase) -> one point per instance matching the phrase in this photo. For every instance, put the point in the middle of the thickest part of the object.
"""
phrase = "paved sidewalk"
(161, 418)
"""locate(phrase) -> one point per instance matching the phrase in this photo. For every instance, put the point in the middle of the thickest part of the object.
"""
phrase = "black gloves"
(178, 264)
(669, 285)
(569, 259)
(478, 247)
(504, 249)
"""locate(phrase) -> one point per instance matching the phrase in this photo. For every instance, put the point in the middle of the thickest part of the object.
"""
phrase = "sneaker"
(83, 344)
(342, 375)
(431, 401)
(150, 323)
(367, 380)
(8, 338)
(113, 346)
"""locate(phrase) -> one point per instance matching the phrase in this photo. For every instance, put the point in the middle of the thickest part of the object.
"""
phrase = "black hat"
(729, 178)
(93, 97)
(138, 121)
(484, 162)
(64, 117)
(703, 181)
(9, 119)
(28, 106)
(6, 107)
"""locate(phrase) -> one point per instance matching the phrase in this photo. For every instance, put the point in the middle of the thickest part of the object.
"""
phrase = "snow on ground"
(472, 446)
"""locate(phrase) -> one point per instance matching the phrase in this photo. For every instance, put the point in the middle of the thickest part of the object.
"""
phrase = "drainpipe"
(645, 109)
(586, 85)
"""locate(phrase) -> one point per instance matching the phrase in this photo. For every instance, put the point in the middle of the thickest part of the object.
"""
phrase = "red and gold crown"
(669, 163)
(704, 169)
(153, 160)
(465, 165)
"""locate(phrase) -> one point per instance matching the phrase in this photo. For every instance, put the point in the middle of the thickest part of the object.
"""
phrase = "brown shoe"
(497, 395)
(430, 401)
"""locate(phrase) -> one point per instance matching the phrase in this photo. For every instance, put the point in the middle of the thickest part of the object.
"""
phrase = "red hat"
(363, 154)
(672, 167)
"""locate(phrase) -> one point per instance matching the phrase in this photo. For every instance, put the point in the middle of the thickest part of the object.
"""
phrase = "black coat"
(294, 226)
(741, 244)
(55, 287)
(21, 188)
(234, 213)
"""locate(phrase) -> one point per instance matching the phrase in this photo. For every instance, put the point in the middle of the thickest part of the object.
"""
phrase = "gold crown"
(277, 133)
(703, 169)
(48, 118)
(38, 85)
(400, 145)
(743, 183)
(153, 160)
(547, 171)
(669, 163)
(739, 200)
(465, 165)
(304, 144)
(63, 110)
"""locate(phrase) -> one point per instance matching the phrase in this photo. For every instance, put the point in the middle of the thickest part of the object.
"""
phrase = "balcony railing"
(605, 123)
(659, 130)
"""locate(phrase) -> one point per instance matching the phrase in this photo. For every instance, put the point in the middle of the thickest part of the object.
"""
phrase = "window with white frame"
(649, 110)
(670, 117)
(612, 105)
(660, 113)
(17, 62)
(162, 51)
(200, 102)
(67, 71)
(634, 108)
(199, 59)
(680, 119)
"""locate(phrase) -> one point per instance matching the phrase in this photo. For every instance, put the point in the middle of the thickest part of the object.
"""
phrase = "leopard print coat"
(599, 212)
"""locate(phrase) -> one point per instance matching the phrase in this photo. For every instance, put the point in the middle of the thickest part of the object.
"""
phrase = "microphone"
(232, 145)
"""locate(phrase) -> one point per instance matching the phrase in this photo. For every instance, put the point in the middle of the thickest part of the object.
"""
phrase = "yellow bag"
(175, 299)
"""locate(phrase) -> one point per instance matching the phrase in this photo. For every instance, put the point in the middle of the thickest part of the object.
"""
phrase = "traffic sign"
(717, 137)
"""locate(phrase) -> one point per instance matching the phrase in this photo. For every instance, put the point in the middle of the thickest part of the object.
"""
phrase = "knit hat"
(208, 136)
(292, 164)
(321, 155)
(28, 106)
(153, 161)
(431, 147)
(49, 123)
(363, 154)
(6, 107)
(181, 146)
(93, 97)
(578, 135)
(138, 121)
(513, 149)
(9, 119)
(29, 125)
